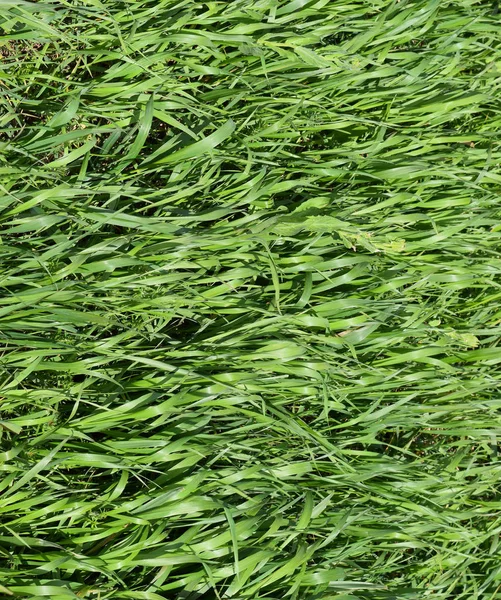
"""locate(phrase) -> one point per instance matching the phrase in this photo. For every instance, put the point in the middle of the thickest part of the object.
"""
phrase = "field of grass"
(250, 270)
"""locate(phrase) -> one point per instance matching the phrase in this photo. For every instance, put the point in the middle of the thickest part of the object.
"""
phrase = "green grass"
(250, 270)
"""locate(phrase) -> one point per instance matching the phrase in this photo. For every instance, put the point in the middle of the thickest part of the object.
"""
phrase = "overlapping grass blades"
(250, 273)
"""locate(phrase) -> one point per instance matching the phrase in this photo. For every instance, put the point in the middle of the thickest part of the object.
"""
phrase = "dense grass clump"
(249, 313)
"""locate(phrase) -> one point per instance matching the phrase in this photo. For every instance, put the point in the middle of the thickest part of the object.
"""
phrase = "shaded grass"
(249, 313)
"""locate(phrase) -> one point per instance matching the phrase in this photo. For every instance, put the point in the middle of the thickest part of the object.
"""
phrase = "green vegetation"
(249, 314)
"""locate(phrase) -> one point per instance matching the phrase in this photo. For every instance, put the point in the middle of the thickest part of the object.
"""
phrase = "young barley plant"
(250, 299)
